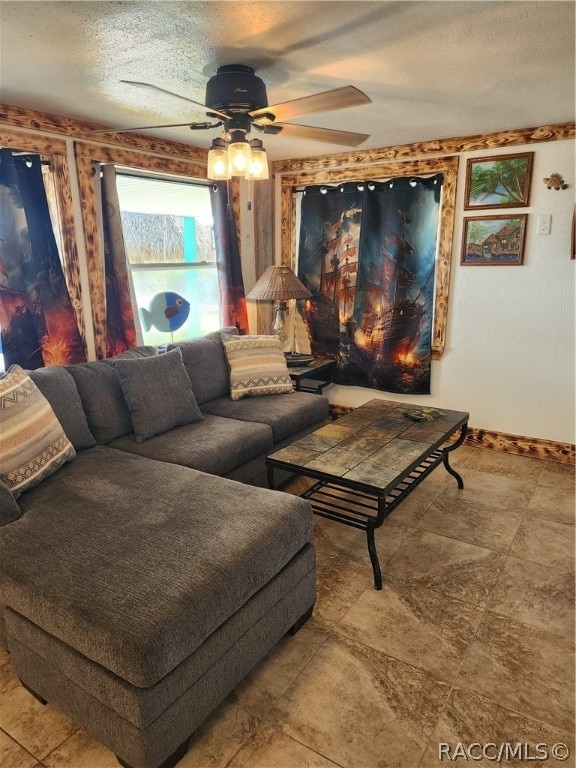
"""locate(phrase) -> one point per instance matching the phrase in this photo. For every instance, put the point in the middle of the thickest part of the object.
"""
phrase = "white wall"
(509, 357)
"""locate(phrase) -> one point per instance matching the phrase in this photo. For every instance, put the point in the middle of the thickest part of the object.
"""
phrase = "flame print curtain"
(233, 310)
(37, 319)
(121, 332)
(367, 253)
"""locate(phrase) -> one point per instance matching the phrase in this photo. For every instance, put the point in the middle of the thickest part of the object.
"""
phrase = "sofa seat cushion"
(286, 414)
(214, 445)
(134, 563)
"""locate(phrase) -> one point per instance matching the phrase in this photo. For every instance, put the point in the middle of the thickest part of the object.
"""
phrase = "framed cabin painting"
(493, 241)
(498, 182)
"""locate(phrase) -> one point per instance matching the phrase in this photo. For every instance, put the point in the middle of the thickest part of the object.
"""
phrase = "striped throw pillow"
(33, 444)
(257, 366)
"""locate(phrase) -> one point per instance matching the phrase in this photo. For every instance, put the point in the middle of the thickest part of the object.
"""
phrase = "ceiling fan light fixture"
(239, 154)
(258, 168)
(218, 161)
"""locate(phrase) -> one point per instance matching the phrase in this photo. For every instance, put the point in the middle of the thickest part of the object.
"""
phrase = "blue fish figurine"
(167, 312)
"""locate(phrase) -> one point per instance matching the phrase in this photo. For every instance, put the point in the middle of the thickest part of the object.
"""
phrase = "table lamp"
(279, 284)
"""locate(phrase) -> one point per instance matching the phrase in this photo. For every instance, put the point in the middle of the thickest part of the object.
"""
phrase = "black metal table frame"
(366, 507)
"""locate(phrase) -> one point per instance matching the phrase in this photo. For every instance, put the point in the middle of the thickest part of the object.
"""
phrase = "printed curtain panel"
(233, 310)
(121, 333)
(38, 321)
(367, 253)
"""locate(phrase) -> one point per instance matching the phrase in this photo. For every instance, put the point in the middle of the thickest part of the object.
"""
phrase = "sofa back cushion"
(102, 400)
(33, 444)
(58, 387)
(101, 395)
(206, 365)
(158, 393)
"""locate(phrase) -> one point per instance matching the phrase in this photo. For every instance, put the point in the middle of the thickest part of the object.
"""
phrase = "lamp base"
(279, 318)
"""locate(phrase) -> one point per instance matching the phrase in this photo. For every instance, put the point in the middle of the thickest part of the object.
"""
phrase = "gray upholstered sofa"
(142, 581)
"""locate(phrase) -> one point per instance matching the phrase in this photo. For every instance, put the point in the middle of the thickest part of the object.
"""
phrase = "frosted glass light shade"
(258, 168)
(239, 157)
(218, 164)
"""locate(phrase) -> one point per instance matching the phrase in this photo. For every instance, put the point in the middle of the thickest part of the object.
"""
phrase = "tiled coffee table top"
(372, 444)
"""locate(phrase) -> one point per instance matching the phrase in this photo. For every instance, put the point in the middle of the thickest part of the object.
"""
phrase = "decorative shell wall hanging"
(555, 181)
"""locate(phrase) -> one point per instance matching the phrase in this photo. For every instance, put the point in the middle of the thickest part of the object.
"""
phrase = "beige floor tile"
(270, 679)
(545, 542)
(343, 569)
(507, 464)
(361, 708)
(556, 475)
(452, 567)
(12, 755)
(38, 728)
(414, 506)
(555, 504)
(522, 668)
(472, 522)
(218, 739)
(415, 624)
(492, 489)
(274, 749)
(537, 595)
(472, 719)
(81, 751)
(4, 657)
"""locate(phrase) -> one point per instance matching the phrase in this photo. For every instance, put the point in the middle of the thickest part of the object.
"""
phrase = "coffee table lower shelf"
(362, 507)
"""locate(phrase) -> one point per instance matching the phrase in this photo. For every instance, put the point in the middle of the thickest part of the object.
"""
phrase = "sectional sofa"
(141, 581)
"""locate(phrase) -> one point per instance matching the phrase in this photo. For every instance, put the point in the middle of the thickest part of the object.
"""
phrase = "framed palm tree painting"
(498, 182)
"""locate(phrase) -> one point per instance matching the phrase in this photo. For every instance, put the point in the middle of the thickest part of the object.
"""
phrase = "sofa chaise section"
(138, 615)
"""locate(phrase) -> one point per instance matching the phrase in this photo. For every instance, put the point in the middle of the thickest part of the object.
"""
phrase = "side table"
(314, 376)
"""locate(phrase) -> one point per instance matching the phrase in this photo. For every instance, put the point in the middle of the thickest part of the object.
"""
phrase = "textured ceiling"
(432, 69)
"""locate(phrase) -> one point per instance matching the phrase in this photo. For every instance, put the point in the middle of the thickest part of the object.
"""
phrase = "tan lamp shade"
(278, 284)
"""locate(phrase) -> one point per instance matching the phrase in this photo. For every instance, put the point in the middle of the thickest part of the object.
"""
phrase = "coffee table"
(369, 460)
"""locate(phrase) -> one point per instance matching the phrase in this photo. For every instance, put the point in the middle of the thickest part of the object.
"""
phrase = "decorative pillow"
(33, 444)
(158, 393)
(9, 509)
(257, 366)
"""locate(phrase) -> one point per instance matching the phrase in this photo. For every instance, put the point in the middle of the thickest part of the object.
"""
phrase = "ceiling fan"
(236, 99)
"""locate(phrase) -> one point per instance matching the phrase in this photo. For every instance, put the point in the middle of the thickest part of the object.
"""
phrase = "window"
(169, 242)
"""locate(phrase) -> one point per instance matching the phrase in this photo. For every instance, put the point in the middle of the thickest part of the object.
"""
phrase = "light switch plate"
(543, 224)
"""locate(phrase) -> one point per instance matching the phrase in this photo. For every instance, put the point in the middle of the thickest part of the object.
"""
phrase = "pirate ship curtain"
(38, 321)
(121, 330)
(233, 311)
(367, 253)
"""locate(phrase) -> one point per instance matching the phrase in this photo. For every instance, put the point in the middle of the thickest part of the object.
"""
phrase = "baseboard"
(533, 447)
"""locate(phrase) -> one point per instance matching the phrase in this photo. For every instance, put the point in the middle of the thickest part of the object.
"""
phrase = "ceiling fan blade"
(147, 128)
(338, 98)
(328, 135)
(138, 84)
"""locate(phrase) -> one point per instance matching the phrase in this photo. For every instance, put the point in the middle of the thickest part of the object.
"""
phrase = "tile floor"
(470, 640)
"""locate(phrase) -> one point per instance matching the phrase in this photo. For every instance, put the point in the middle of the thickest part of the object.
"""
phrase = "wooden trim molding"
(31, 142)
(42, 122)
(448, 166)
(128, 157)
(531, 447)
(429, 148)
(71, 260)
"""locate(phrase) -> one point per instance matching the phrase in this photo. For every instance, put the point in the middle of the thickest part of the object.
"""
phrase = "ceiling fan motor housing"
(235, 86)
